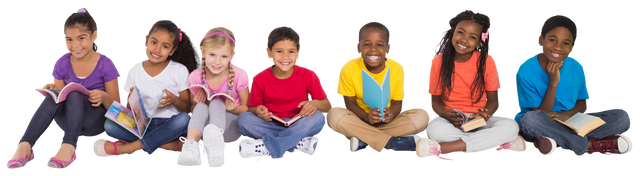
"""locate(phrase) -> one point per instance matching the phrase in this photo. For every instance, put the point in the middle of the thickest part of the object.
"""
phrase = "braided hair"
(219, 41)
(448, 56)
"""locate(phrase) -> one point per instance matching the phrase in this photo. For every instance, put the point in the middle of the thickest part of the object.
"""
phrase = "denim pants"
(276, 137)
(75, 116)
(159, 132)
(535, 124)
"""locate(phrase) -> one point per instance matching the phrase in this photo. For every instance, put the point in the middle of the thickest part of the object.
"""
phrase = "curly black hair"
(376, 25)
(559, 21)
(184, 52)
(85, 21)
(448, 52)
(283, 33)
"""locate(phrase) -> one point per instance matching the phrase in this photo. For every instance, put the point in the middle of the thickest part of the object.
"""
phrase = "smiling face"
(556, 44)
(159, 46)
(373, 48)
(284, 54)
(217, 59)
(79, 42)
(466, 37)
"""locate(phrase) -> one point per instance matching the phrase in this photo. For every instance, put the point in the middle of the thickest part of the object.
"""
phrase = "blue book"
(374, 94)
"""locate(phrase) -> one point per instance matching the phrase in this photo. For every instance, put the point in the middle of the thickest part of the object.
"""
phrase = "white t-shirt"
(173, 78)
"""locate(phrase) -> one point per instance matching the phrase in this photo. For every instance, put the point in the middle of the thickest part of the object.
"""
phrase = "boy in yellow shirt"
(358, 122)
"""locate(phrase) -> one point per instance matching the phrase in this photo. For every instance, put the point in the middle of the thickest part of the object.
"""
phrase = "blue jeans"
(75, 116)
(536, 124)
(159, 132)
(276, 137)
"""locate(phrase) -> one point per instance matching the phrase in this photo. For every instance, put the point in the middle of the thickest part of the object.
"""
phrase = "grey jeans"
(216, 114)
(536, 124)
(499, 130)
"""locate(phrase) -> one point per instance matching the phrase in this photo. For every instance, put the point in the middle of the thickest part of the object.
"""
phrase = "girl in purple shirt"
(79, 114)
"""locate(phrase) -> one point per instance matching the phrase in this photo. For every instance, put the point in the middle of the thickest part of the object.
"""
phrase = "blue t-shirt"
(533, 82)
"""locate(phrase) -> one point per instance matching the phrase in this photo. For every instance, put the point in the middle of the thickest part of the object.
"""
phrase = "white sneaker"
(307, 145)
(190, 154)
(428, 147)
(214, 145)
(517, 145)
(251, 148)
(626, 145)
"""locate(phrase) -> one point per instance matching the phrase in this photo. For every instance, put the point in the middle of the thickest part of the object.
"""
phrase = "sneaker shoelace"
(504, 146)
(602, 146)
(434, 149)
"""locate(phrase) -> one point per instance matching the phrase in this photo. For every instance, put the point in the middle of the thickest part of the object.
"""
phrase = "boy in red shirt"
(282, 91)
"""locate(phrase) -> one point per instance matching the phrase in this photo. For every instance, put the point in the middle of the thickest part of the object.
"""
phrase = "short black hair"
(283, 33)
(380, 26)
(559, 21)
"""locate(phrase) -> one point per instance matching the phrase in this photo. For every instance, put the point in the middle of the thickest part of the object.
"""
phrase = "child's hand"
(483, 112)
(230, 105)
(95, 97)
(553, 69)
(201, 96)
(387, 116)
(263, 113)
(169, 99)
(50, 87)
(374, 116)
(559, 116)
(452, 117)
(308, 108)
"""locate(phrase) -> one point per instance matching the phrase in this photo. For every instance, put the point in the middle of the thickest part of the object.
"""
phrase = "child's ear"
(146, 40)
(357, 48)
(232, 54)
(388, 47)
(94, 36)
(269, 52)
(540, 40)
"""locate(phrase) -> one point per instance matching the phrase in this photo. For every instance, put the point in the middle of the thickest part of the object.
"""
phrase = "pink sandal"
(99, 149)
(19, 162)
(56, 163)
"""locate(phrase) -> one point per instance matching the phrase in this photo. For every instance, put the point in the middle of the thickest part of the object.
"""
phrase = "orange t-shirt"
(465, 73)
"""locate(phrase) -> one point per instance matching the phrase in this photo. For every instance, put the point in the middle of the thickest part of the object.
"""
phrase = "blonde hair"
(219, 41)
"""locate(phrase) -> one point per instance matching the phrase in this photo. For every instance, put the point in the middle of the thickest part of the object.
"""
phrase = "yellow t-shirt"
(351, 80)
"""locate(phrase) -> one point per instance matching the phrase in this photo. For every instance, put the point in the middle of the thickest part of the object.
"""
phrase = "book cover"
(374, 94)
(196, 88)
(287, 122)
(61, 95)
(136, 119)
(468, 123)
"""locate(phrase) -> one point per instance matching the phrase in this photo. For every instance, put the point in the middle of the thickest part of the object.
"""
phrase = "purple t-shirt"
(105, 71)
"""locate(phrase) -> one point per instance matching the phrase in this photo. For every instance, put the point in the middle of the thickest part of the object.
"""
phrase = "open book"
(582, 124)
(469, 124)
(285, 122)
(61, 95)
(136, 119)
(374, 94)
(196, 88)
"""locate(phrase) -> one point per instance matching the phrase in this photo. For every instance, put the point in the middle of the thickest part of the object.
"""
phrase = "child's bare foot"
(65, 153)
(23, 151)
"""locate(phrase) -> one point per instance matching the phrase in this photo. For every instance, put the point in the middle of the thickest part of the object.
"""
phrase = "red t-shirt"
(282, 96)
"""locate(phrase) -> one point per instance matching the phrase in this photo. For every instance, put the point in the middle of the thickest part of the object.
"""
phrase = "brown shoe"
(618, 144)
(545, 145)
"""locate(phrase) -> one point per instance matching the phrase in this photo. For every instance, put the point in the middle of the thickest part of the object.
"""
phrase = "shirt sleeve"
(585, 92)
(59, 69)
(491, 79)
(527, 94)
(109, 71)
(398, 94)
(256, 96)
(314, 87)
(582, 92)
(241, 80)
(433, 76)
(345, 85)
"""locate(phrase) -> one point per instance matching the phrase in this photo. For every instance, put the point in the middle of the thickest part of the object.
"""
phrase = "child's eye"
(473, 38)
(292, 52)
(459, 32)
(380, 44)
(224, 57)
(165, 47)
(68, 40)
(566, 43)
(552, 40)
(211, 55)
(278, 51)
(153, 42)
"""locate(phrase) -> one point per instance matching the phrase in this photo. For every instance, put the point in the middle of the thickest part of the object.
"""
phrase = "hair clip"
(181, 29)
(180, 32)
(81, 10)
(485, 36)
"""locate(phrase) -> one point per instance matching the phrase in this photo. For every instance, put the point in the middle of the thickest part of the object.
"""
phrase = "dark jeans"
(75, 116)
(536, 124)
(159, 132)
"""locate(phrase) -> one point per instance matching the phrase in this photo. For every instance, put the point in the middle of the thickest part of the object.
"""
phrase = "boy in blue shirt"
(551, 86)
